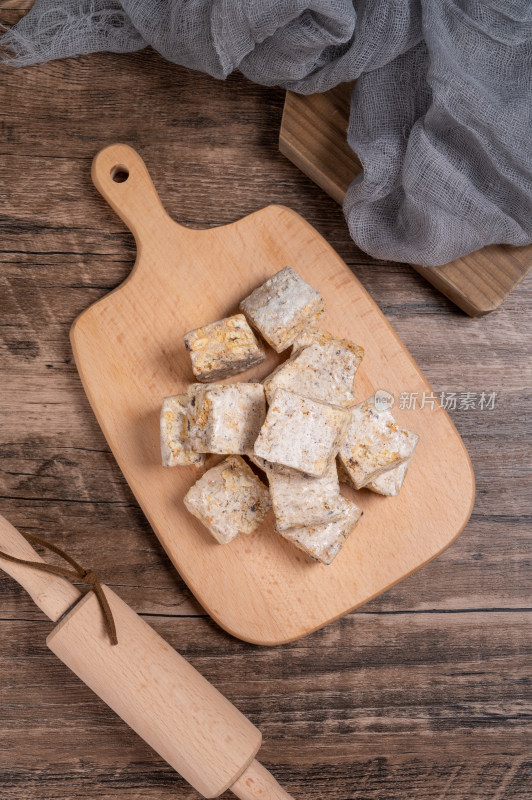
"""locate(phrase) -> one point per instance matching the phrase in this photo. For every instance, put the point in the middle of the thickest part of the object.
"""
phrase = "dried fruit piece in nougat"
(300, 500)
(389, 483)
(175, 445)
(225, 419)
(374, 444)
(301, 433)
(229, 499)
(322, 368)
(282, 307)
(223, 348)
(324, 542)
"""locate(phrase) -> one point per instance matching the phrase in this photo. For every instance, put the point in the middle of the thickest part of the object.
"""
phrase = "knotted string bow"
(86, 576)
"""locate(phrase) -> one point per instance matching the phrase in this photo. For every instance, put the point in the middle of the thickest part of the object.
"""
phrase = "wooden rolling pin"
(147, 683)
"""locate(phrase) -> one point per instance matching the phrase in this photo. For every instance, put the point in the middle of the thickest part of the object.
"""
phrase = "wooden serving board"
(130, 353)
(314, 137)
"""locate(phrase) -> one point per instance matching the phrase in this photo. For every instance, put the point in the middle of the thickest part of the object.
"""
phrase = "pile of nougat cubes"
(301, 426)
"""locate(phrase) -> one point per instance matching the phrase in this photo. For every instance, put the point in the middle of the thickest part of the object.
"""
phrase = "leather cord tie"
(78, 573)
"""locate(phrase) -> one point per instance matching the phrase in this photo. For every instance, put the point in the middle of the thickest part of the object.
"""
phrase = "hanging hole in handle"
(119, 173)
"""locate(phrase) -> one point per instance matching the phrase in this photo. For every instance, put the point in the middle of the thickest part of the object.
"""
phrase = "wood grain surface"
(314, 137)
(423, 693)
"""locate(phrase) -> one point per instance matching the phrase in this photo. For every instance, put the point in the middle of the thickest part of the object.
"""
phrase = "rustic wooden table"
(425, 692)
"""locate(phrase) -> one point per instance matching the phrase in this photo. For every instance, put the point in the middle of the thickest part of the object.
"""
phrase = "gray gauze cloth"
(440, 114)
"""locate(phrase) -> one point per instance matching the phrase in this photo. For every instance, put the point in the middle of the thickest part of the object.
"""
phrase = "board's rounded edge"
(73, 332)
(244, 634)
(241, 632)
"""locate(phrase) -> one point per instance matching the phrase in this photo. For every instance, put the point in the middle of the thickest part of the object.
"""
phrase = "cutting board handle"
(53, 595)
(122, 178)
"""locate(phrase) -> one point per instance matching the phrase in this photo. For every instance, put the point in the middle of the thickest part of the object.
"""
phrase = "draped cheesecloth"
(441, 114)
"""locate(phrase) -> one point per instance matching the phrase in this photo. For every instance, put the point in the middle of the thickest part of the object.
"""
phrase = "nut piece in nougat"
(282, 307)
(374, 444)
(227, 418)
(301, 433)
(175, 445)
(229, 499)
(223, 348)
(324, 542)
(389, 483)
(300, 500)
(323, 369)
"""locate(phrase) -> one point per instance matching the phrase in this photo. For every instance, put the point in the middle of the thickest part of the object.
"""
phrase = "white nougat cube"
(229, 499)
(374, 444)
(175, 443)
(223, 348)
(321, 367)
(324, 542)
(301, 433)
(390, 483)
(282, 308)
(225, 419)
(300, 500)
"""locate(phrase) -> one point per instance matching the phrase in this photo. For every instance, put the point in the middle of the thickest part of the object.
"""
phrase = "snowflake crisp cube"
(229, 499)
(282, 307)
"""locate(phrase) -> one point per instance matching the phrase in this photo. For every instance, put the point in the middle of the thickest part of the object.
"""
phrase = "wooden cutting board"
(130, 354)
(314, 137)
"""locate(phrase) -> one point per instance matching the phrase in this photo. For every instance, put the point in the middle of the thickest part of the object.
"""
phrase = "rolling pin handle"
(256, 783)
(122, 178)
(53, 595)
